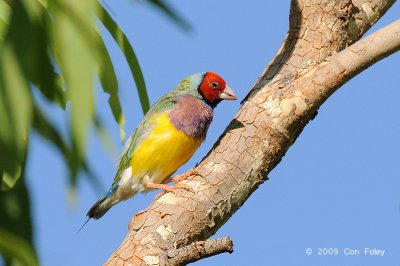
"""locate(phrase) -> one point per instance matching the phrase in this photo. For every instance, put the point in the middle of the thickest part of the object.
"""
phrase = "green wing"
(164, 104)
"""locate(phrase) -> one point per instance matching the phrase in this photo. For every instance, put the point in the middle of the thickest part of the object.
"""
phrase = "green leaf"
(171, 13)
(109, 83)
(27, 35)
(34, 10)
(104, 135)
(130, 55)
(75, 53)
(3, 29)
(44, 77)
(16, 249)
(16, 240)
(25, 47)
(50, 133)
(5, 12)
(9, 181)
(15, 111)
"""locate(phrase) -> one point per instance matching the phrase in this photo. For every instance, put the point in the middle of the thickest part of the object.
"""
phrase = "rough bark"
(314, 60)
(199, 250)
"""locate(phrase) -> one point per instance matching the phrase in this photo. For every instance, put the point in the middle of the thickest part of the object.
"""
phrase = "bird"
(167, 137)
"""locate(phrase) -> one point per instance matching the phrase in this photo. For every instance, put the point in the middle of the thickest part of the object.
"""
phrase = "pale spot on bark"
(219, 168)
(164, 231)
(287, 106)
(194, 184)
(146, 240)
(301, 105)
(168, 198)
(151, 260)
(272, 108)
(369, 11)
(296, 104)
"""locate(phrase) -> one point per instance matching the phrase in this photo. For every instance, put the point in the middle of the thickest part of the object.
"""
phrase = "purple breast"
(191, 116)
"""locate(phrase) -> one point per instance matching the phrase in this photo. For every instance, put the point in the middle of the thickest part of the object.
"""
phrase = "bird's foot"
(167, 188)
(184, 176)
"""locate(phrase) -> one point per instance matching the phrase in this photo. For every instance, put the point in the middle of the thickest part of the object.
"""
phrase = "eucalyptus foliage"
(55, 47)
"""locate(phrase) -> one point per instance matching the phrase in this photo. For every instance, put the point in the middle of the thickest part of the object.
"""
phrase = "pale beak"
(228, 94)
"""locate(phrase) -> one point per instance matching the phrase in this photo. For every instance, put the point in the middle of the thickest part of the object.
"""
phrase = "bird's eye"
(214, 85)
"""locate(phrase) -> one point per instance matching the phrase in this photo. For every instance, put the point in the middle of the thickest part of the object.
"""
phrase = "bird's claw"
(177, 186)
(179, 178)
(166, 188)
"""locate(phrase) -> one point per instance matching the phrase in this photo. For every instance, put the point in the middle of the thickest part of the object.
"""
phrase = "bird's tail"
(103, 205)
(99, 208)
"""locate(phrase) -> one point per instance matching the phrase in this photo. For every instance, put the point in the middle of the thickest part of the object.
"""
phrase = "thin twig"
(199, 250)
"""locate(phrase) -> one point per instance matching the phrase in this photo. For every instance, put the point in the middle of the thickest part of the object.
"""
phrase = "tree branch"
(199, 250)
(312, 63)
(367, 52)
(316, 31)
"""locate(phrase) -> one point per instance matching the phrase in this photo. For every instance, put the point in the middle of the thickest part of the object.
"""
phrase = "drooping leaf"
(15, 111)
(171, 13)
(16, 250)
(75, 53)
(29, 36)
(44, 77)
(50, 133)
(33, 8)
(24, 60)
(109, 83)
(104, 135)
(5, 11)
(16, 239)
(130, 55)
(3, 29)
(9, 181)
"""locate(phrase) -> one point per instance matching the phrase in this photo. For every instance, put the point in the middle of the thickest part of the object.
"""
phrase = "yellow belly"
(163, 151)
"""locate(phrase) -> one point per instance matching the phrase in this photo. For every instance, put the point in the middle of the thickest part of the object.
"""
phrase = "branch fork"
(320, 53)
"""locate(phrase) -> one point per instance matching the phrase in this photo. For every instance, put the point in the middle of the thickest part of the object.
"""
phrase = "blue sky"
(337, 187)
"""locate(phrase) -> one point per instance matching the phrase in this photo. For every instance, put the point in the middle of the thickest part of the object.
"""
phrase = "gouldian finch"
(169, 134)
